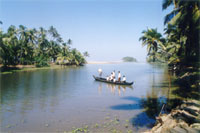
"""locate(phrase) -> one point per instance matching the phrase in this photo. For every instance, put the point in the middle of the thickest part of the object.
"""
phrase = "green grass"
(31, 69)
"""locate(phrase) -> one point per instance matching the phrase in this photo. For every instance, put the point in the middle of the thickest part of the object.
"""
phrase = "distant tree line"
(181, 44)
(37, 46)
(129, 59)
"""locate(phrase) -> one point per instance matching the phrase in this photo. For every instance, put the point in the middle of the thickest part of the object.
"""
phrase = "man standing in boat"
(119, 76)
(113, 74)
(100, 72)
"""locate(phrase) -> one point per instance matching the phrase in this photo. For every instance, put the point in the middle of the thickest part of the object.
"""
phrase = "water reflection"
(157, 101)
(151, 103)
(54, 95)
(26, 92)
(119, 89)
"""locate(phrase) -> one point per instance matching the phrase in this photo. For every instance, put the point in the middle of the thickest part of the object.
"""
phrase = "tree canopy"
(181, 44)
(129, 59)
(36, 46)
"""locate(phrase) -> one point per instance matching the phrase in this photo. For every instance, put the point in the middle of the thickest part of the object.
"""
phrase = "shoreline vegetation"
(104, 62)
(180, 50)
(129, 59)
(39, 47)
(23, 68)
(19, 68)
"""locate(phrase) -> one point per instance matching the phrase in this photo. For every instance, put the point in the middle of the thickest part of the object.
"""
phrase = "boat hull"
(116, 83)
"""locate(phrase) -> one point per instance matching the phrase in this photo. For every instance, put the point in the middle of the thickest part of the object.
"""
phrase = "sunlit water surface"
(58, 100)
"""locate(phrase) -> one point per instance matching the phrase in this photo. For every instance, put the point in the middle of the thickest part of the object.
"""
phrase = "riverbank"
(17, 68)
(20, 68)
(104, 62)
(183, 119)
(185, 116)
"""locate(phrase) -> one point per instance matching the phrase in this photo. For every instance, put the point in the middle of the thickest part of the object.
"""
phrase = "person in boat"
(113, 74)
(107, 78)
(100, 72)
(119, 76)
(124, 79)
(114, 80)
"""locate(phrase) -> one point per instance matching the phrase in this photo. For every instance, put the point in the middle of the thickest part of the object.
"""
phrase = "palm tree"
(186, 17)
(65, 49)
(55, 36)
(69, 42)
(86, 54)
(28, 46)
(10, 46)
(42, 41)
(174, 44)
(154, 41)
(78, 58)
(53, 50)
(23, 43)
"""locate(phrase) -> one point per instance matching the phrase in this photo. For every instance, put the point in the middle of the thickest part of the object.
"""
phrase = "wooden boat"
(111, 82)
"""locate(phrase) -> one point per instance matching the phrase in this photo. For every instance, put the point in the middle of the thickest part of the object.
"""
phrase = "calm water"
(63, 99)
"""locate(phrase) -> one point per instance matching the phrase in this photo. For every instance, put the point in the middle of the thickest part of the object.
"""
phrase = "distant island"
(129, 59)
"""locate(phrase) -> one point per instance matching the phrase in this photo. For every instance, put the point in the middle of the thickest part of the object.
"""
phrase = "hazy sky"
(108, 30)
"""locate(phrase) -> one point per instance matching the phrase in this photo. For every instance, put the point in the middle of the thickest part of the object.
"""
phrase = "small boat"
(111, 82)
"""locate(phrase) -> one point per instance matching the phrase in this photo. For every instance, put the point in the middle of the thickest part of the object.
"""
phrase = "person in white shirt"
(113, 74)
(124, 79)
(119, 76)
(100, 72)
(114, 80)
(107, 78)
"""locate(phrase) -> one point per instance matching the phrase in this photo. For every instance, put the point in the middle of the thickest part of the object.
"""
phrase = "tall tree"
(186, 17)
(86, 54)
(154, 41)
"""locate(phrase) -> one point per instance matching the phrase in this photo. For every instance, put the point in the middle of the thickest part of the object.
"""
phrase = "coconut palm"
(154, 41)
(29, 46)
(10, 46)
(23, 43)
(186, 17)
(42, 41)
(69, 42)
(53, 50)
(86, 54)
(54, 35)
(78, 58)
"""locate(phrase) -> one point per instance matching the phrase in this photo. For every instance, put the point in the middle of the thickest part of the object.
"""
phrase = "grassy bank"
(21, 68)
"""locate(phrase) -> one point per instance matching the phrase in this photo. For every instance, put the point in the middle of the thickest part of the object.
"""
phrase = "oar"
(161, 109)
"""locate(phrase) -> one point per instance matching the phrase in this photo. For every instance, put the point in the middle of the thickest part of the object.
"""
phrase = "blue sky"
(108, 30)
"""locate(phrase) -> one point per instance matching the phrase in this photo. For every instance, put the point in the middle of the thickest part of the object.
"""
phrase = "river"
(65, 99)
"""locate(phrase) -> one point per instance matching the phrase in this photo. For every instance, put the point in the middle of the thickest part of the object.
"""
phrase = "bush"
(41, 61)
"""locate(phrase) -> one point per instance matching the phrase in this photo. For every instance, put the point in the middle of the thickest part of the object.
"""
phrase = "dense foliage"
(181, 45)
(129, 59)
(36, 46)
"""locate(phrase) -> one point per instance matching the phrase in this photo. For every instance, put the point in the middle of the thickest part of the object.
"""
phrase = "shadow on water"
(151, 108)
(158, 100)
(134, 106)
